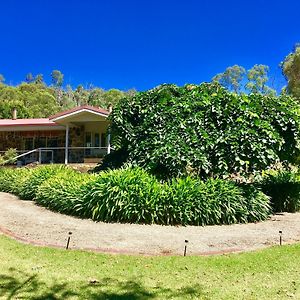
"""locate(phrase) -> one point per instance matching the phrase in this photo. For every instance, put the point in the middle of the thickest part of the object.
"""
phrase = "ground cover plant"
(29, 272)
(132, 195)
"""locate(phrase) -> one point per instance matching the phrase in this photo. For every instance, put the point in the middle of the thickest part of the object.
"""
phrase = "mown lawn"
(28, 272)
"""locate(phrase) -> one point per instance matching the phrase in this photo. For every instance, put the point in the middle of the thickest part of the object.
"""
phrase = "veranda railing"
(58, 154)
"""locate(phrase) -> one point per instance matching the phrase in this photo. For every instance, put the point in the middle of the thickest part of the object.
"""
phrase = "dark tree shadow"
(19, 285)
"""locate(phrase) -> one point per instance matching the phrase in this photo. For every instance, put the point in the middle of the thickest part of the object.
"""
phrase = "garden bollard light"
(280, 237)
(68, 242)
(186, 242)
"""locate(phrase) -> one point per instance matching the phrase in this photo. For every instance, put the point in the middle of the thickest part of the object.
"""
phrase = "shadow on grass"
(19, 285)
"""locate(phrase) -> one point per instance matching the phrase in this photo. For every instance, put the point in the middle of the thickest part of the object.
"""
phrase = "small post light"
(280, 237)
(185, 247)
(68, 242)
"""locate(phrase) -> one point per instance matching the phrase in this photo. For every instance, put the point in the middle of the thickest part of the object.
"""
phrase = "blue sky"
(140, 44)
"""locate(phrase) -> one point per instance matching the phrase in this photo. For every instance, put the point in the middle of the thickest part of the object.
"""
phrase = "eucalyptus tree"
(231, 78)
(39, 79)
(291, 70)
(29, 78)
(57, 78)
(257, 78)
(2, 79)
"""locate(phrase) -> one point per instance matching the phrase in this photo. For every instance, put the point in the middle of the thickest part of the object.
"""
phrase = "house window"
(52, 142)
(103, 140)
(40, 142)
(28, 144)
(97, 140)
(88, 143)
(88, 139)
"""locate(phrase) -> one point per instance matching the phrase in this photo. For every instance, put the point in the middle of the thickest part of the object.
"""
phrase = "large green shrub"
(284, 189)
(204, 130)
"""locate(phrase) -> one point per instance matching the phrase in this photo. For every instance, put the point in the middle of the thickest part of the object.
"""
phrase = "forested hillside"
(33, 98)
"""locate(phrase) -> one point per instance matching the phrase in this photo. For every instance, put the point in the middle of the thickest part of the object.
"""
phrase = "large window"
(28, 143)
(40, 142)
(103, 140)
(97, 140)
(88, 143)
(88, 139)
(52, 142)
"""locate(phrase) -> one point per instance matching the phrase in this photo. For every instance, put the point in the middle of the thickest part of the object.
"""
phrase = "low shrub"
(9, 157)
(134, 196)
(284, 189)
(6, 179)
(62, 191)
(11, 179)
(36, 178)
(216, 201)
(124, 195)
(258, 203)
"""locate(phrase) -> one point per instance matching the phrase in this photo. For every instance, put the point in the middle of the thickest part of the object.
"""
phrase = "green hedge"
(132, 195)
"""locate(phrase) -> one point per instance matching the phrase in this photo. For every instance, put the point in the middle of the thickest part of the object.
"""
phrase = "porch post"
(40, 156)
(67, 144)
(108, 136)
(108, 142)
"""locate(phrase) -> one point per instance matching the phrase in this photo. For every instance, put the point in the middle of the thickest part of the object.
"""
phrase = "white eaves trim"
(78, 112)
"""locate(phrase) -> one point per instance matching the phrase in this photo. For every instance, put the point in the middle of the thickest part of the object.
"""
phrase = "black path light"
(185, 246)
(68, 242)
(280, 237)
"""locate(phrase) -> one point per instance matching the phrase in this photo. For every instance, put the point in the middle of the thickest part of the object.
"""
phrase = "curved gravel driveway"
(30, 223)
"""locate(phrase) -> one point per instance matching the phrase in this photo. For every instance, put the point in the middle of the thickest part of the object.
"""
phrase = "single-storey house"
(73, 136)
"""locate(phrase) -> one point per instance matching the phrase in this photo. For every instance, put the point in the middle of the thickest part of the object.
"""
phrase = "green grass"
(28, 272)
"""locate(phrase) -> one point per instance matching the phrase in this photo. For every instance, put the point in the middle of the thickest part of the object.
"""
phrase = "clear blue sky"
(140, 44)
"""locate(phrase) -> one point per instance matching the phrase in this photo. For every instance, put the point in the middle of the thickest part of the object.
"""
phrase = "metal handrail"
(51, 149)
(21, 155)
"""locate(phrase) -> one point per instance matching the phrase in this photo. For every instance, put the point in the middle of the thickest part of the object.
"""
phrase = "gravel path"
(30, 223)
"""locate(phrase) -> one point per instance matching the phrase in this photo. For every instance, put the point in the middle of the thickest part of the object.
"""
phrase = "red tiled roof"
(27, 122)
(48, 121)
(78, 108)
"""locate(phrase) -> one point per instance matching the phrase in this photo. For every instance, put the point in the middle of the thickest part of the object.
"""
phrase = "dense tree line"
(33, 98)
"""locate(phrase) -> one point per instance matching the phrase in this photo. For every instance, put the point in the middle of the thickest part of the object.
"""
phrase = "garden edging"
(29, 223)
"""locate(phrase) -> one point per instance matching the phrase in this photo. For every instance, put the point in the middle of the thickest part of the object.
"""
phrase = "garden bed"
(28, 222)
